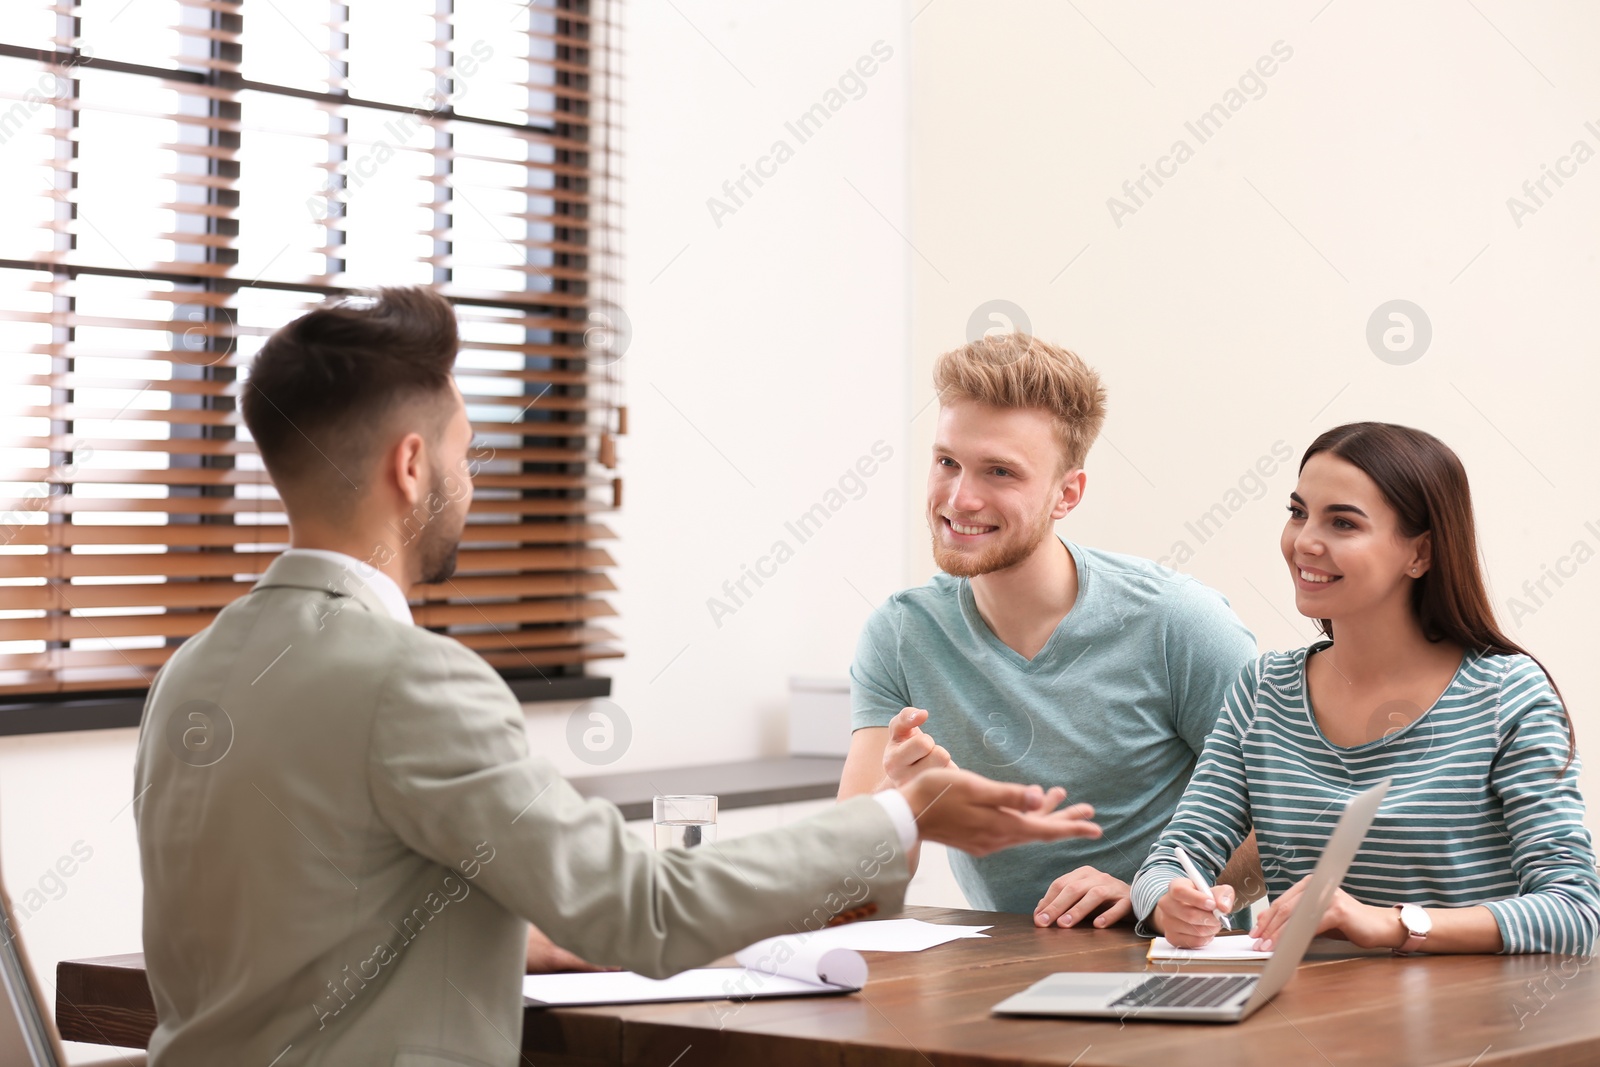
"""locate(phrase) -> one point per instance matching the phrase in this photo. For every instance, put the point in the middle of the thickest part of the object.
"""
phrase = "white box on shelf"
(819, 716)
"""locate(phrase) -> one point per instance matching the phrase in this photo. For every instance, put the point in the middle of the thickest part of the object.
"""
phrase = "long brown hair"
(1425, 483)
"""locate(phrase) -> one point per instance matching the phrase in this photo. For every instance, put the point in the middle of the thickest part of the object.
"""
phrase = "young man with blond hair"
(1031, 657)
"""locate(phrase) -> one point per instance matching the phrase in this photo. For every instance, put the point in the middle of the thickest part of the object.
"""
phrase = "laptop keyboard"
(1184, 991)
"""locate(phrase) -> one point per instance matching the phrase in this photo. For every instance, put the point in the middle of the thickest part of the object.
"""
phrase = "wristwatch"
(1417, 923)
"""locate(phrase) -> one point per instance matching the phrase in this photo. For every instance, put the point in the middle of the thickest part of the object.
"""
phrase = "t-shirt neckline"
(975, 620)
(1467, 657)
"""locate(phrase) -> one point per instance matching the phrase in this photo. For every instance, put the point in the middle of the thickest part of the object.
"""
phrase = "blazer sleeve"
(450, 773)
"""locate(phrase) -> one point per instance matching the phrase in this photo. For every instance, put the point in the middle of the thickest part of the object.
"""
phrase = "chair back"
(27, 1031)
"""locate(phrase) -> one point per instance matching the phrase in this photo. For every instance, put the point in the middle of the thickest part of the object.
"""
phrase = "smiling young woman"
(1480, 845)
(1445, 603)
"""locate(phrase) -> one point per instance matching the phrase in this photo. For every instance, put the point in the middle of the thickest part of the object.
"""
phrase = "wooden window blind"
(182, 177)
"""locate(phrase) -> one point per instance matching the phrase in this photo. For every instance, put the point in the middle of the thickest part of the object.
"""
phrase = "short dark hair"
(322, 386)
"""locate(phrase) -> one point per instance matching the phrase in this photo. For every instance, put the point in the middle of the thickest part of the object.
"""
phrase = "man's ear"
(1072, 485)
(407, 460)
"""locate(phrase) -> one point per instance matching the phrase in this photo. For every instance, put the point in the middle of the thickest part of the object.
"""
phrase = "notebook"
(1220, 949)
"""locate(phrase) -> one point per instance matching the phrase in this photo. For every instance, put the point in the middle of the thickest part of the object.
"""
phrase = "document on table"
(1235, 947)
(625, 987)
(881, 935)
(796, 965)
(808, 970)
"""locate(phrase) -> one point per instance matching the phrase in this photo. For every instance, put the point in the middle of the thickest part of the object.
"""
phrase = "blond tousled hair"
(1017, 370)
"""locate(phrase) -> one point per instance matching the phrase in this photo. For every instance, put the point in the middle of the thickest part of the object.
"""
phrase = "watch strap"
(1413, 940)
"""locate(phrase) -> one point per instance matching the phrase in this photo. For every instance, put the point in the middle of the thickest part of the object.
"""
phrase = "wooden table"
(1344, 1007)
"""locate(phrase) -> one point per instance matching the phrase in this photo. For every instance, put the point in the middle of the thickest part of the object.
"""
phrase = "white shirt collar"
(381, 584)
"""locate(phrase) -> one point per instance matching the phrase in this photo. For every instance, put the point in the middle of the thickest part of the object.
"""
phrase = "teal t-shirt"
(1115, 708)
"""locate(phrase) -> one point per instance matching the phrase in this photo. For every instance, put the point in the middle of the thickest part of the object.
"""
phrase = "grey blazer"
(343, 836)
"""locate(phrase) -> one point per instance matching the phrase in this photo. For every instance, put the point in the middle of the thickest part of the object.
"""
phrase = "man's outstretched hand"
(969, 812)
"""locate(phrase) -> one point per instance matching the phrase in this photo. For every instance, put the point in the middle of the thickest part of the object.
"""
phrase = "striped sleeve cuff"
(1544, 922)
(1149, 886)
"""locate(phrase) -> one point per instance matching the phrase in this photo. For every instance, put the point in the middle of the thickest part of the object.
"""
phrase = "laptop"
(1219, 998)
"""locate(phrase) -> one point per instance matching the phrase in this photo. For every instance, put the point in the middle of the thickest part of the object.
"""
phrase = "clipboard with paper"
(820, 963)
(809, 970)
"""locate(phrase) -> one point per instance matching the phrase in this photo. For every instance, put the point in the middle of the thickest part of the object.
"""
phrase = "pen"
(1199, 881)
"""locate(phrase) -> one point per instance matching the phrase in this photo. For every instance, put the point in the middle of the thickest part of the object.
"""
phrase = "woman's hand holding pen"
(1187, 914)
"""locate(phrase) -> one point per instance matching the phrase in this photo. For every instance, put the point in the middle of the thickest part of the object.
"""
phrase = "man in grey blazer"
(342, 832)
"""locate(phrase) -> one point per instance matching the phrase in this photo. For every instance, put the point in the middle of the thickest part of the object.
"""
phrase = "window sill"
(112, 711)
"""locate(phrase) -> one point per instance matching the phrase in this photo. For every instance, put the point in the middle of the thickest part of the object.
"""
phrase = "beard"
(437, 545)
(1007, 551)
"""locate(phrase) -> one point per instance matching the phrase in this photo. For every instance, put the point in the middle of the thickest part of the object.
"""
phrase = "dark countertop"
(747, 784)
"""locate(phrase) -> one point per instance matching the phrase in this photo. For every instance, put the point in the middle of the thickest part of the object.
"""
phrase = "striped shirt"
(1479, 812)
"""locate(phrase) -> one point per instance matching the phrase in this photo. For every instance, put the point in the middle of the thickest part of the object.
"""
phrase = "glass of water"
(685, 821)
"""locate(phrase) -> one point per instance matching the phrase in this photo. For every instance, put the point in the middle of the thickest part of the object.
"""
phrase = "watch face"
(1416, 919)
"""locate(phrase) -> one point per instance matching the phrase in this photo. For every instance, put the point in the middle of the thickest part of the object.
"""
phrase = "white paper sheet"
(809, 961)
(782, 971)
(1225, 947)
(625, 987)
(882, 935)
(807, 964)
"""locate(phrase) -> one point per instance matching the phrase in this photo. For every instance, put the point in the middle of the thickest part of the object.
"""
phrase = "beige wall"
(1228, 311)
(768, 358)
